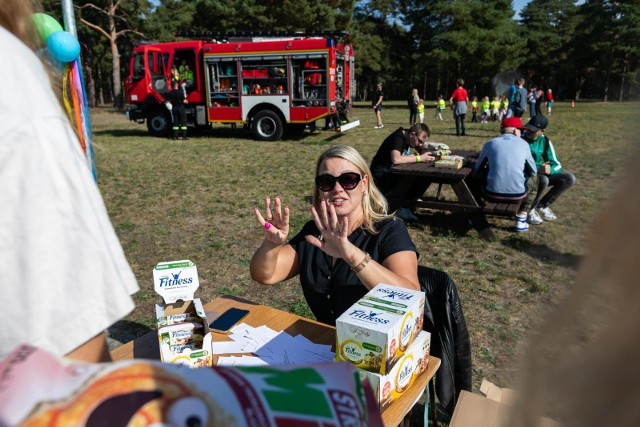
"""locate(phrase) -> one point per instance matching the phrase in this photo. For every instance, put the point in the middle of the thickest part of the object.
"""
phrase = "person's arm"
(95, 350)
(398, 159)
(400, 268)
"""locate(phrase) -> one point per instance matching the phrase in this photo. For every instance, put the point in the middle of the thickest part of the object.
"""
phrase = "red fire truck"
(266, 83)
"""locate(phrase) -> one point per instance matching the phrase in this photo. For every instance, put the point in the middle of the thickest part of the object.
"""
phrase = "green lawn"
(171, 200)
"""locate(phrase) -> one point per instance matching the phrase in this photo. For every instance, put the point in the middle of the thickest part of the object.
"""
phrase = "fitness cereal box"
(410, 366)
(377, 330)
(183, 331)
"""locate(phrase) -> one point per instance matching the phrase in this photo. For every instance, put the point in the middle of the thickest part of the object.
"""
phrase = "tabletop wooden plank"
(146, 347)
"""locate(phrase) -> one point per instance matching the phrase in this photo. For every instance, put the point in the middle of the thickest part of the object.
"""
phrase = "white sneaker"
(548, 214)
(534, 218)
(378, 126)
(521, 223)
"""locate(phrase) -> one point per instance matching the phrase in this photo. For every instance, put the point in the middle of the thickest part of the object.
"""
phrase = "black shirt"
(331, 290)
(381, 163)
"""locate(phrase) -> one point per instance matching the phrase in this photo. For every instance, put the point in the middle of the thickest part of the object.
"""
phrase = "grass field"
(171, 200)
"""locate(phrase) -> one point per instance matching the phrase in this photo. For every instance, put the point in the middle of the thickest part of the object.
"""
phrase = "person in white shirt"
(64, 273)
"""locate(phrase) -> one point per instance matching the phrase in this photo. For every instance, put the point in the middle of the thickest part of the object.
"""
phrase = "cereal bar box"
(377, 330)
(410, 366)
(183, 331)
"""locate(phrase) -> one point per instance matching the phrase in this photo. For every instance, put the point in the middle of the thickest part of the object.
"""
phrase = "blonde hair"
(15, 17)
(374, 205)
(583, 363)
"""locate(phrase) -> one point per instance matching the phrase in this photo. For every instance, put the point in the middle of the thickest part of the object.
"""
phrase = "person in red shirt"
(458, 101)
(549, 101)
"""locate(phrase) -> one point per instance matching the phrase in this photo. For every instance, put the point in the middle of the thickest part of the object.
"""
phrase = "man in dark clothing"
(178, 100)
(519, 104)
(395, 150)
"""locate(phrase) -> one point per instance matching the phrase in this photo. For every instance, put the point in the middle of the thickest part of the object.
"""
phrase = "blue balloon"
(63, 46)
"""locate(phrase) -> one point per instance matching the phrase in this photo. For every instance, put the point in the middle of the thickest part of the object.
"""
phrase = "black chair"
(444, 319)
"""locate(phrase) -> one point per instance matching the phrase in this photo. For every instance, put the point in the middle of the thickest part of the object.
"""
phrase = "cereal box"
(183, 331)
(411, 365)
(377, 330)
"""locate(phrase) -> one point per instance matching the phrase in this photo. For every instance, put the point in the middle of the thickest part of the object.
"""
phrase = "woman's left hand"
(333, 231)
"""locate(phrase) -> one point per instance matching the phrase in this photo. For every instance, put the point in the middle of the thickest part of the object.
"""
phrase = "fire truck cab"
(267, 84)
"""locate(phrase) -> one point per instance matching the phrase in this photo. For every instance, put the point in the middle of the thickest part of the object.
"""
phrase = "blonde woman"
(349, 246)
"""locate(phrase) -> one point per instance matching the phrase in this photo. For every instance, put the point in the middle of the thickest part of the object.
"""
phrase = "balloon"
(63, 46)
(46, 25)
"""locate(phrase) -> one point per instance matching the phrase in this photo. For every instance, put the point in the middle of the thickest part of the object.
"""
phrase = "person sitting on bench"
(503, 168)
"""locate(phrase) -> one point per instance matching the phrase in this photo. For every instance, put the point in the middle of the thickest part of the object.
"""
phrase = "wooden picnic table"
(425, 174)
(146, 346)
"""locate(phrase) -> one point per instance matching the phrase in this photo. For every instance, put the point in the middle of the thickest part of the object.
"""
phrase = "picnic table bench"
(426, 174)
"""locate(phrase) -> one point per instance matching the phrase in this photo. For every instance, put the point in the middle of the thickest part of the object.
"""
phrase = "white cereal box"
(183, 331)
(378, 329)
(410, 366)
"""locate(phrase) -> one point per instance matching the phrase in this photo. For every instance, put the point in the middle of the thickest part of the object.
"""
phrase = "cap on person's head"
(512, 122)
(379, 85)
(537, 123)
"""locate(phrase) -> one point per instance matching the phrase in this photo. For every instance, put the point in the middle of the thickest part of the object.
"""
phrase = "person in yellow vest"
(175, 74)
(440, 106)
(474, 110)
(186, 79)
(495, 108)
(486, 109)
(504, 105)
(421, 110)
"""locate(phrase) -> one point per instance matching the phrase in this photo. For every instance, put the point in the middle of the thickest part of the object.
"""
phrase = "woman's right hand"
(277, 219)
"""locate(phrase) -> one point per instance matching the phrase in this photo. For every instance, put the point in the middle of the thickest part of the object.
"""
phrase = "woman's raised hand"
(334, 231)
(275, 221)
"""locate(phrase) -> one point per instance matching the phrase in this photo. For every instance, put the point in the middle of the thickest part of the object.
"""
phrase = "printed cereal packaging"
(411, 365)
(183, 331)
(377, 330)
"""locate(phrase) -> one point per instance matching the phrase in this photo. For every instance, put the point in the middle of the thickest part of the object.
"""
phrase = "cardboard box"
(412, 364)
(377, 330)
(454, 162)
(183, 331)
(490, 411)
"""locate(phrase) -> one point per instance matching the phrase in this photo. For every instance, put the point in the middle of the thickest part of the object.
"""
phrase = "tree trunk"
(115, 61)
(91, 86)
(100, 85)
(624, 72)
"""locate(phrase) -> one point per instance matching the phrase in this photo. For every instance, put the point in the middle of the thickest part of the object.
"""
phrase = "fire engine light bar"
(206, 35)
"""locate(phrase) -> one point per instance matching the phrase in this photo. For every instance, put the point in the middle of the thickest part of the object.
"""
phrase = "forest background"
(582, 50)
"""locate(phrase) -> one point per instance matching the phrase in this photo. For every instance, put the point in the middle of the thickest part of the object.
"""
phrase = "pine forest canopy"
(581, 49)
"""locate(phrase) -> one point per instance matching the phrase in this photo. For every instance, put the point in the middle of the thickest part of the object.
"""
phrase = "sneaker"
(377, 127)
(548, 214)
(534, 218)
(521, 223)
(406, 215)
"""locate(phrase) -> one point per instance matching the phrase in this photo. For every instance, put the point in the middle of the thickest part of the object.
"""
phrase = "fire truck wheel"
(159, 122)
(267, 126)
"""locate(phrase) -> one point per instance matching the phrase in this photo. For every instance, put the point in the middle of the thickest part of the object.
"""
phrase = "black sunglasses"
(348, 181)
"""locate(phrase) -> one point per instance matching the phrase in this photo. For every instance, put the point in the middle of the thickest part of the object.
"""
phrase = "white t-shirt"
(64, 276)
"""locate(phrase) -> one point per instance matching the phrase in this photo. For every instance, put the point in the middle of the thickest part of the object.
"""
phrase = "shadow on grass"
(543, 252)
(443, 224)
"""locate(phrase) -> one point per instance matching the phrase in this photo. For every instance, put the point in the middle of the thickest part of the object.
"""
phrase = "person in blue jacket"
(552, 179)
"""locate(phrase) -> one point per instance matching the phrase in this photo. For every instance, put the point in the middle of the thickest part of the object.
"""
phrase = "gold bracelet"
(358, 268)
